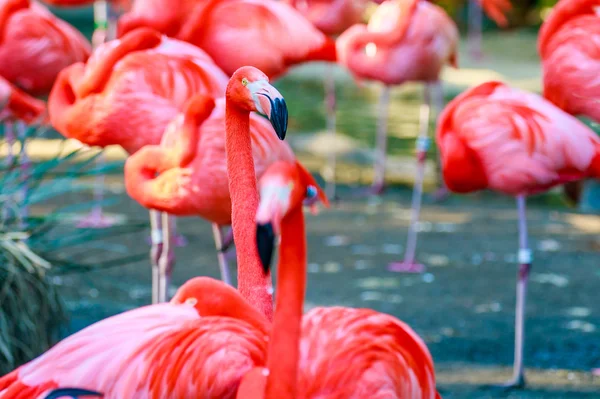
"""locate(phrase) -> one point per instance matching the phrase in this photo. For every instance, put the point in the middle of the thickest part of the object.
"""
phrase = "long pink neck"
(252, 283)
(284, 352)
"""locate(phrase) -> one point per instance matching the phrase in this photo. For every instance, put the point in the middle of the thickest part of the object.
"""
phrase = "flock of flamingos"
(180, 90)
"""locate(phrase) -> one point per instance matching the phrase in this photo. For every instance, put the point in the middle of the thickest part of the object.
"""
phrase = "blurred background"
(66, 278)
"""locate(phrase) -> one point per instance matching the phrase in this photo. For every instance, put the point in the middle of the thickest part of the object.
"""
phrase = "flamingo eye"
(245, 82)
(311, 191)
(191, 301)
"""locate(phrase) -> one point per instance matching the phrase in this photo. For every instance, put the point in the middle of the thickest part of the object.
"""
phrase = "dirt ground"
(462, 305)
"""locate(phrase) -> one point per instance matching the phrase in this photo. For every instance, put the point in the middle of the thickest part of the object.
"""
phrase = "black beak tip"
(279, 117)
(265, 241)
(73, 393)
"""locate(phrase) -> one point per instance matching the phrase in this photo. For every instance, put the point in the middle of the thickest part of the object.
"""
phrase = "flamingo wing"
(269, 35)
(360, 353)
(155, 351)
(524, 143)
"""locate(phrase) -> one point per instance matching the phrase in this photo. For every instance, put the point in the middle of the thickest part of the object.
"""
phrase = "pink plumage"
(568, 46)
(404, 41)
(506, 139)
(186, 348)
(130, 89)
(384, 357)
(199, 185)
(35, 45)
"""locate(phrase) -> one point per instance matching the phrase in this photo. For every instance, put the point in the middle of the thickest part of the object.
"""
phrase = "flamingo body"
(129, 101)
(35, 45)
(269, 35)
(568, 46)
(180, 349)
(404, 41)
(505, 139)
(360, 353)
(199, 186)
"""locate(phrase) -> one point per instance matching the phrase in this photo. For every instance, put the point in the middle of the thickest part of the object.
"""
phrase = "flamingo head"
(284, 188)
(251, 91)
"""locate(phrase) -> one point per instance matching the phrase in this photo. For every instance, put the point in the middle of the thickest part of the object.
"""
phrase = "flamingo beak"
(270, 102)
(265, 242)
(73, 393)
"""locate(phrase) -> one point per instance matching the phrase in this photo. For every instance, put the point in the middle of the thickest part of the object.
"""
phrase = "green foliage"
(34, 250)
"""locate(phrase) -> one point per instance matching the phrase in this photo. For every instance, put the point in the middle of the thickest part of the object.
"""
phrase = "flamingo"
(496, 137)
(192, 177)
(267, 34)
(404, 41)
(126, 95)
(332, 17)
(330, 352)
(34, 47)
(569, 62)
(209, 335)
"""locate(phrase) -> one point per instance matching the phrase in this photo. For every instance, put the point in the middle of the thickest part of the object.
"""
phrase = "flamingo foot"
(375, 190)
(406, 267)
(96, 220)
(180, 241)
(510, 385)
(440, 195)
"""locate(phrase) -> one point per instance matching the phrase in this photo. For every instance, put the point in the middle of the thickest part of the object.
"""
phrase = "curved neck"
(252, 283)
(140, 171)
(6, 9)
(283, 354)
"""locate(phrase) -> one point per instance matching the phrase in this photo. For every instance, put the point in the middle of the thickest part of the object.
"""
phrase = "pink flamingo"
(127, 93)
(330, 352)
(125, 356)
(569, 63)
(404, 41)
(34, 47)
(267, 34)
(192, 172)
(496, 137)
(569, 60)
(332, 17)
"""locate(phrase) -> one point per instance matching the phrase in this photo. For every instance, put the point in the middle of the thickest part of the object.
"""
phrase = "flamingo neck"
(284, 352)
(252, 283)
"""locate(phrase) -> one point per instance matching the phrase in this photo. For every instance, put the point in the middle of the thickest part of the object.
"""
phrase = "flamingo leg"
(409, 265)
(525, 259)
(25, 167)
(475, 16)
(381, 145)
(156, 236)
(437, 97)
(166, 260)
(9, 136)
(179, 240)
(330, 104)
(96, 218)
(223, 267)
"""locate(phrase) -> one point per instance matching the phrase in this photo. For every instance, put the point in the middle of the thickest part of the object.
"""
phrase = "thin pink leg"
(437, 96)
(25, 166)
(9, 136)
(223, 267)
(166, 260)
(525, 258)
(474, 35)
(409, 265)
(156, 236)
(330, 105)
(96, 218)
(381, 145)
(179, 240)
